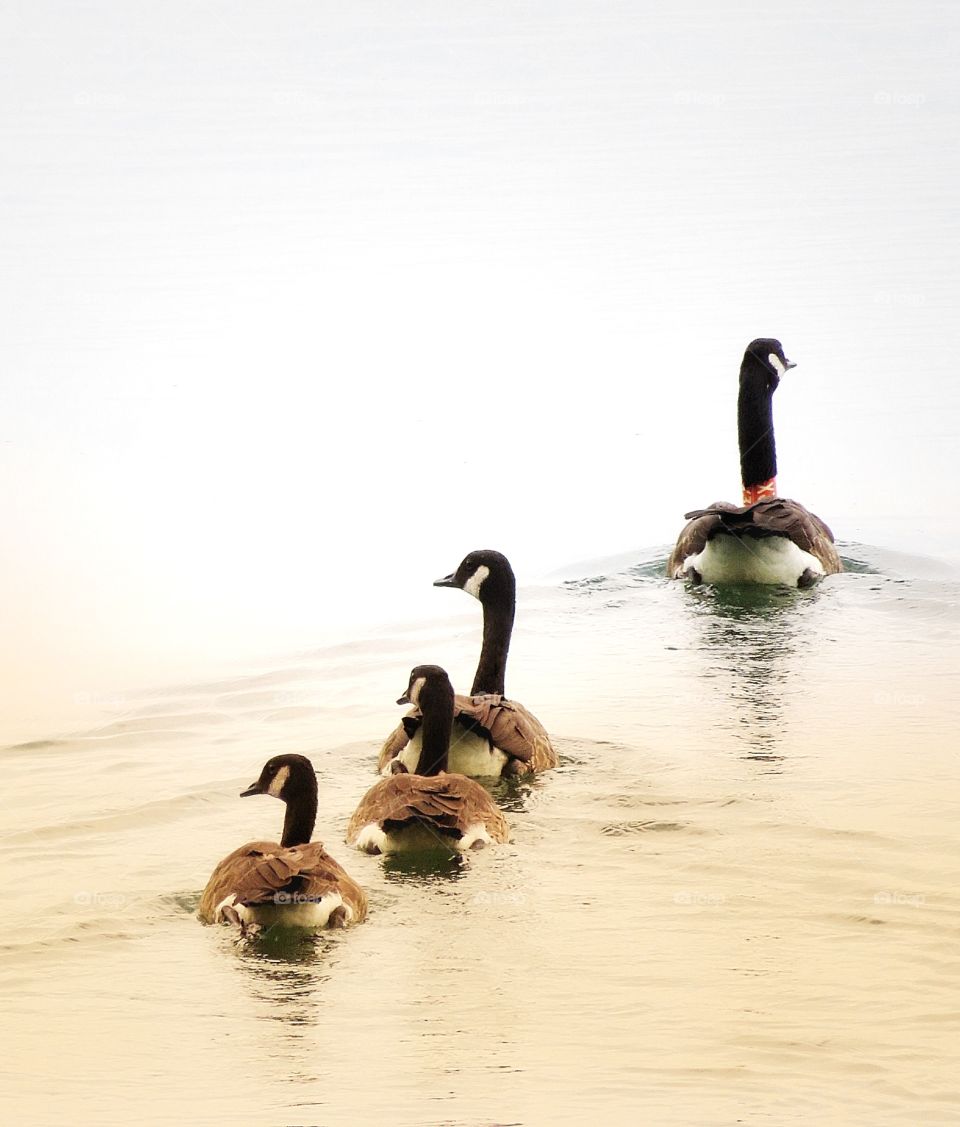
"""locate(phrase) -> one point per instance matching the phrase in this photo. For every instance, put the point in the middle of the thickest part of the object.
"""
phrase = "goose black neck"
(301, 815)
(758, 451)
(436, 708)
(497, 629)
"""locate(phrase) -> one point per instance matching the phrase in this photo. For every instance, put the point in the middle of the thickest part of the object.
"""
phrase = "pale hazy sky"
(302, 301)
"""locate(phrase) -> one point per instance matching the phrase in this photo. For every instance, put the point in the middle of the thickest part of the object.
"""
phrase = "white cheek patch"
(777, 363)
(279, 781)
(475, 582)
(415, 689)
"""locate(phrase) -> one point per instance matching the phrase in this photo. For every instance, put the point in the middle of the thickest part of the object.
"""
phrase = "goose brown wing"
(702, 525)
(449, 803)
(400, 799)
(505, 723)
(323, 875)
(777, 517)
(256, 872)
(511, 728)
(823, 545)
(398, 738)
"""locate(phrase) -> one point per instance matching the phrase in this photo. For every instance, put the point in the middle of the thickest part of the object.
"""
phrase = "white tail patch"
(226, 902)
(750, 559)
(372, 839)
(293, 909)
(475, 836)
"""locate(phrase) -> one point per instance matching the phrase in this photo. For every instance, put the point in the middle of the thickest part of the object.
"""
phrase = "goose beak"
(405, 699)
(253, 788)
(447, 581)
(788, 364)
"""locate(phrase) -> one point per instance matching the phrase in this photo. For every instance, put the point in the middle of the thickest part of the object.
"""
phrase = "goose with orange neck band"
(768, 539)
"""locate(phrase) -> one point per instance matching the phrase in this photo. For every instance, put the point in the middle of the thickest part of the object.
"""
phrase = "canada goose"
(492, 735)
(293, 883)
(768, 539)
(406, 813)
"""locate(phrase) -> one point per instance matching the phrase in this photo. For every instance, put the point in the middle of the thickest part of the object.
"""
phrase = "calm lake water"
(302, 302)
(735, 901)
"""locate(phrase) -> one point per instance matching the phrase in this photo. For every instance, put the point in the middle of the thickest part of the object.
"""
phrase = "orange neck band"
(765, 491)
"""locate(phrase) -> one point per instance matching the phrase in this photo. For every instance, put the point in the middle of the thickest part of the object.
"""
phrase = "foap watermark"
(907, 899)
(99, 100)
(697, 898)
(510, 898)
(295, 898)
(899, 700)
(108, 900)
(899, 98)
(901, 298)
(101, 700)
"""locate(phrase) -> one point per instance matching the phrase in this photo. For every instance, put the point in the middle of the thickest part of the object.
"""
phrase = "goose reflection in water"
(284, 977)
(753, 638)
(275, 952)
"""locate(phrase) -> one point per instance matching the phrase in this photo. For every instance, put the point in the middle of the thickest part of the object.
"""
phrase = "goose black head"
(485, 574)
(769, 352)
(284, 777)
(428, 684)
